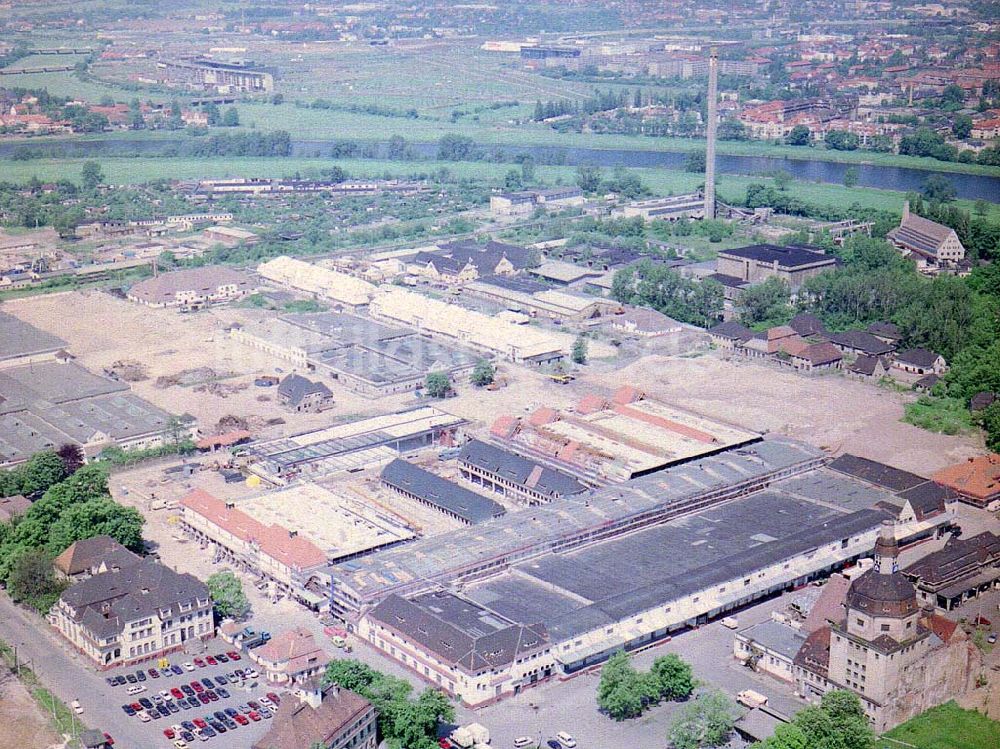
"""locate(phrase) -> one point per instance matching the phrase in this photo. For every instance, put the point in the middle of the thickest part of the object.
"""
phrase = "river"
(900, 179)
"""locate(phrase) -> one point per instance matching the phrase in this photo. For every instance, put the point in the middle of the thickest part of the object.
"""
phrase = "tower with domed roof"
(882, 633)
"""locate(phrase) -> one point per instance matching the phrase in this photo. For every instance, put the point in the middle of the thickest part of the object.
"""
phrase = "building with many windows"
(135, 613)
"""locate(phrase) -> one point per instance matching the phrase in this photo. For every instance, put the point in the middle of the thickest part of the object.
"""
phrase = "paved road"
(70, 677)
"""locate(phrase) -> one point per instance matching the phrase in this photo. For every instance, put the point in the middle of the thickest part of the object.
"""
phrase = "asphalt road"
(70, 677)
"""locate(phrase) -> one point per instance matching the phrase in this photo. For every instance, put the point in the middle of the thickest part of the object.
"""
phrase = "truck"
(751, 699)
(472, 735)
(256, 641)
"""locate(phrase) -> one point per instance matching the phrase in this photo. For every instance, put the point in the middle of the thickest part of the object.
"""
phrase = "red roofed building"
(270, 551)
(977, 480)
(292, 657)
(591, 404)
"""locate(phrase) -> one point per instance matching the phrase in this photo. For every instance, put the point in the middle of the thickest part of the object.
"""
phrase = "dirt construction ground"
(829, 411)
(24, 725)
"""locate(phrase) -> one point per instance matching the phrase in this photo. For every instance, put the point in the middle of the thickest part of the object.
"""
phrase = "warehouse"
(668, 209)
(347, 292)
(350, 446)
(443, 495)
(571, 521)
(22, 343)
(538, 300)
(513, 476)
(619, 438)
(791, 521)
(517, 343)
(51, 403)
(363, 355)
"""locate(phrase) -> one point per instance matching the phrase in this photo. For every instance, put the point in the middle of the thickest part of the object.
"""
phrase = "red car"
(199, 722)
(254, 716)
(241, 719)
(274, 698)
(108, 740)
(199, 663)
(233, 655)
(211, 661)
(196, 686)
(137, 707)
(169, 733)
(177, 693)
(204, 698)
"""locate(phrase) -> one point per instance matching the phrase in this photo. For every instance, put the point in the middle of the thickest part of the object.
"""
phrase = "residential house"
(138, 612)
(919, 361)
(291, 657)
(807, 324)
(93, 556)
(304, 395)
(859, 343)
(328, 717)
(887, 332)
(729, 335)
(866, 367)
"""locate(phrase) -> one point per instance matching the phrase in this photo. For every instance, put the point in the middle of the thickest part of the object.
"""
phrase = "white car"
(176, 729)
(180, 744)
(165, 694)
(77, 707)
(201, 736)
(250, 673)
(522, 741)
(136, 689)
(566, 740)
(143, 716)
(189, 666)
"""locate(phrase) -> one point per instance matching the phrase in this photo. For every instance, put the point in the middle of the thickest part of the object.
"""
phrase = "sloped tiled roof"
(303, 726)
(83, 555)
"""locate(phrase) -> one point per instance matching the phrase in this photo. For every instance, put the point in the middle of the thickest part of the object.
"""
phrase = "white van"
(136, 689)
(730, 622)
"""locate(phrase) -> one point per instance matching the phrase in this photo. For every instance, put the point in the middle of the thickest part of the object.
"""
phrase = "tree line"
(403, 721)
(74, 504)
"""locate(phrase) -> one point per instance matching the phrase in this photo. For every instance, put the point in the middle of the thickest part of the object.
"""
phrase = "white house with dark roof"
(192, 287)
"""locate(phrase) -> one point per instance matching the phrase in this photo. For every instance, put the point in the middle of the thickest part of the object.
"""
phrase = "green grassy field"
(660, 181)
(945, 727)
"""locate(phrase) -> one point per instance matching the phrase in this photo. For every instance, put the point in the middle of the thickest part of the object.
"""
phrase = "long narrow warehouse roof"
(442, 493)
(331, 284)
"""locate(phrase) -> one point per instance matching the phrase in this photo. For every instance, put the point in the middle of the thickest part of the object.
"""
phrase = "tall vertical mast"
(713, 86)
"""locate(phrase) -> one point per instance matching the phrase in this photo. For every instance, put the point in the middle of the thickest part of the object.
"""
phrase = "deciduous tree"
(227, 595)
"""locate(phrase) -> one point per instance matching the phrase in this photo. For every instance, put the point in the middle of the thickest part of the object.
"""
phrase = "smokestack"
(713, 93)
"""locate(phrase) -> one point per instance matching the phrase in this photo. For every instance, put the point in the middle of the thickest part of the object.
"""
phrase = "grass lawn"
(939, 414)
(945, 727)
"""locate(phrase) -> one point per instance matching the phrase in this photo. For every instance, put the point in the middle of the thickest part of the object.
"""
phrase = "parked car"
(196, 686)
(222, 658)
(189, 666)
(265, 713)
(523, 741)
(222, 680)
(199, 663)
(108, 739)
(274, 698)
(233, 655)
(140, 676)
(130, 678)
(136, 689)
(222, 692)
(154, 673)
(169, 732)
(143, 716)
(128, 710)
(254, 715)
(146, 703)
(211, 661)
(177, 670)
(566, 740)
(241, 719)
(992, 638)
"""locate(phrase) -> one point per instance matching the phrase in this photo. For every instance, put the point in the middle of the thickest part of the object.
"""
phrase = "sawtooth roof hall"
(706, 536)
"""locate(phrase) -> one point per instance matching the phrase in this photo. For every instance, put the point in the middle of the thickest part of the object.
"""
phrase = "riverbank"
(659, 181)
(305, 124)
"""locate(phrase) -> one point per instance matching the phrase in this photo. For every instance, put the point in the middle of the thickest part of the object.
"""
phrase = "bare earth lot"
(24, 725)
(830, 411)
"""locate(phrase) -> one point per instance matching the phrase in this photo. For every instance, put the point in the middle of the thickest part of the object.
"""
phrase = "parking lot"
(202, 698)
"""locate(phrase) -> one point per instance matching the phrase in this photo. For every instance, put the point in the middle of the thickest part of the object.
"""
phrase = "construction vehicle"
(562, 378)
